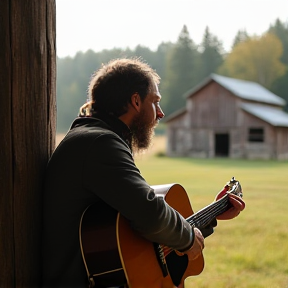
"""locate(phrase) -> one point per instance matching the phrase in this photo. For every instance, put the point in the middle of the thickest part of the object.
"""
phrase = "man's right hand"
(198, 245)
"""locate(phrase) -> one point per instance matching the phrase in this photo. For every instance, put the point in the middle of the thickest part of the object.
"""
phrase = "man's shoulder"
(84, 135)
(86, 132)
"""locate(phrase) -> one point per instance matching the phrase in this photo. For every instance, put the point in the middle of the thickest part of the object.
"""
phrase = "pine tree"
(280, 85)
(182, 69)
(211, 54)
(240, 37)
(281, 31)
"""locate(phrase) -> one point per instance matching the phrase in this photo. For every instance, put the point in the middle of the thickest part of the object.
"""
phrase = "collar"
(112, 123)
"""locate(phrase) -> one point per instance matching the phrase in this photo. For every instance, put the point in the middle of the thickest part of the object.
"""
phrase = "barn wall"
(213, 110)
(213, 106)
(259, 150)
(282, 143)
(178, 136)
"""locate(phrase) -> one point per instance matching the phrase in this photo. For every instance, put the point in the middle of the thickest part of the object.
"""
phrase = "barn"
(227, 117)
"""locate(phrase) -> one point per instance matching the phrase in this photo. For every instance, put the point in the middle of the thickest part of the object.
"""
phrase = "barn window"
(256, 135)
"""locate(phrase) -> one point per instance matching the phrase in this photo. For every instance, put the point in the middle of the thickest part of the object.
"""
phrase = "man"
(94, 164)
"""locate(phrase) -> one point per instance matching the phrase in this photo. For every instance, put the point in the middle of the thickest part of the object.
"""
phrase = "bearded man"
(94, 164)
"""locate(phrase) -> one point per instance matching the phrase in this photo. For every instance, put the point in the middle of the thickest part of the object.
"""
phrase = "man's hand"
(237, 203)
(196, 249)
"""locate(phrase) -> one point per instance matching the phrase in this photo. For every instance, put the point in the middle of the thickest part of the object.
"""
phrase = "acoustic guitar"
(115, 255)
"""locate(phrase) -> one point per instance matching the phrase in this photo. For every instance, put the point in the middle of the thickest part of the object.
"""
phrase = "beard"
(142, 132)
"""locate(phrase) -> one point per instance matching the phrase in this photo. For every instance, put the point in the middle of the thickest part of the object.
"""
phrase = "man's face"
(147, 119)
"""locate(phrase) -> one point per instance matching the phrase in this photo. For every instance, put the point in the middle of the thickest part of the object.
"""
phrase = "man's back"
(65, 199)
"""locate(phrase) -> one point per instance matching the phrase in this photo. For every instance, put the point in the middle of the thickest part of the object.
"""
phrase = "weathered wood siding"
(213, 106)
(282, 143)
(178, 133)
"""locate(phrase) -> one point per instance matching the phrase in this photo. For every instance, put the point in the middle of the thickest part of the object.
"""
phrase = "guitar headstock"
(234, 187)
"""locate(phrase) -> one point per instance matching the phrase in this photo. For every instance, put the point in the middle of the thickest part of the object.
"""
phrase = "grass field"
(250, 251)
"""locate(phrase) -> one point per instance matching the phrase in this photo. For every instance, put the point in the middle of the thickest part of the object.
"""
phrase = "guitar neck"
(204, 216)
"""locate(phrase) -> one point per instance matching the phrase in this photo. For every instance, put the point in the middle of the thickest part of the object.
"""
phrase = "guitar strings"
(216, 210)
(201, 218)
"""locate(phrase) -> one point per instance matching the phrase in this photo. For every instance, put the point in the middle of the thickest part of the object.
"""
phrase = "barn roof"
(271, 115)
(244, 89)
(175, 114)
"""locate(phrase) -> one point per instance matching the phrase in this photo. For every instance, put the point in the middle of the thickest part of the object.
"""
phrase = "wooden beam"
(28, 125)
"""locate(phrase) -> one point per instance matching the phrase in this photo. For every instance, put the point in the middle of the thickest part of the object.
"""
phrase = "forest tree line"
(183, 65)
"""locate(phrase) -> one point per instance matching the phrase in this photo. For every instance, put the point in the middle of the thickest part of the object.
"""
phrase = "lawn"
(250, 251)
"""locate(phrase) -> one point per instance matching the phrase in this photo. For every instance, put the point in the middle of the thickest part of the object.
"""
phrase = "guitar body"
(99, 246)
(142, 269)
(115, 254)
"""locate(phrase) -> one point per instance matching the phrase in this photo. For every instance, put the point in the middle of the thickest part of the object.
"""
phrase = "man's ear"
(136, 101)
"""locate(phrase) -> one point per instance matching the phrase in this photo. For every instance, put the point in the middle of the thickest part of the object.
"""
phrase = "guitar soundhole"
(177, 266)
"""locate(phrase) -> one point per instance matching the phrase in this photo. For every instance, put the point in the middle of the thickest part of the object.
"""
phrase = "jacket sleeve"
(111, 174)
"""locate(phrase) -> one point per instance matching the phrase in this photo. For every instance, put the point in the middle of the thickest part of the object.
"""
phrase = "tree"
(161, 56)
(280, 88)
(257, 59)
(182, 72)
(145, 53)
(281, 31)
(211, 54)
(240, 37)
(72, 82)
(280, 85)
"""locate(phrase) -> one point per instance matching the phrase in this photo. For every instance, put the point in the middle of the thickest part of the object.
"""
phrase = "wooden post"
(27, 127)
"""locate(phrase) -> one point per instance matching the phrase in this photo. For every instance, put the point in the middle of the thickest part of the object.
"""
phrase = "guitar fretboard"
(204, 216)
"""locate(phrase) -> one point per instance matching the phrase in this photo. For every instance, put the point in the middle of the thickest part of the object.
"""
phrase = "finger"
(236, 202)
(229, 214)
(179, 253)
(222, 193)
(198, 233)
(197, 247)
(199, 238)
(237, 197)
(200, 243)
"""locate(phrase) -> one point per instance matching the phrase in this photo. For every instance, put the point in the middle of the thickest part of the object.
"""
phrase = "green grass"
(250, 251)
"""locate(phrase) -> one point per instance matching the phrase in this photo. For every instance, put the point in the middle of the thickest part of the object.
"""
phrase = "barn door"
(221, 144)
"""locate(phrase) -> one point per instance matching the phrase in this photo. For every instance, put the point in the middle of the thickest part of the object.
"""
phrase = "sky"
(106, 24)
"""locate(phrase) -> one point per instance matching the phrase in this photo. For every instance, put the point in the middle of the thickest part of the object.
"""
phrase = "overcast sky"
(106, 24)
